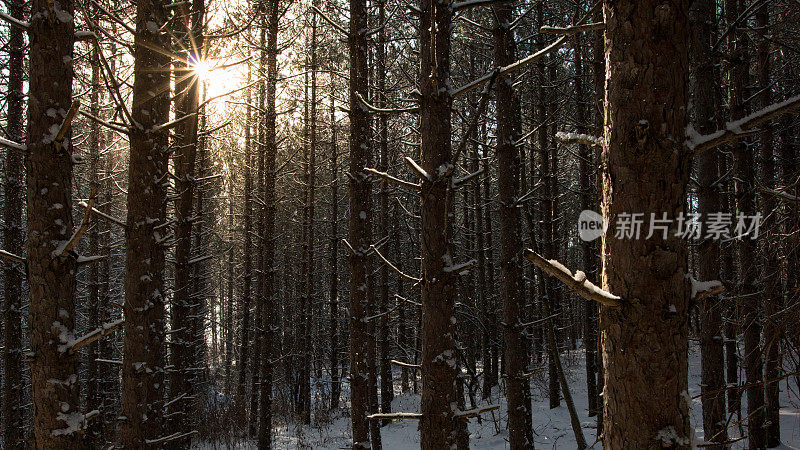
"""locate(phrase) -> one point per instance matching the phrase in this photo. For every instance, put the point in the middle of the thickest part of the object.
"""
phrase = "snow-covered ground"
(551, 427)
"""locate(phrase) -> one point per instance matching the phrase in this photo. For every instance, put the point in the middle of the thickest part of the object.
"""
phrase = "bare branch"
(738, 129)
(578, 284)
(418, 169)
(395, 180)
(12, 257)
(572, 29)
(88, 338)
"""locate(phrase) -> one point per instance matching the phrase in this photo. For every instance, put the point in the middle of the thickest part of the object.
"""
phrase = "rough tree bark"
(645, 170)
(143, 355)
(51, 266)
(508, 172)
(359, 224)
(438, 423)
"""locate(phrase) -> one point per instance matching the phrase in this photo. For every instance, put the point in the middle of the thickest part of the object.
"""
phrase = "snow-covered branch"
(417, 168)
(737, 129)
(475, 412)
(578, 283)
(781, 195)
(510, 68)
(469, 4)
(406, 365)
(335, 25)
(397, 415)
(12, 257)
(701, 289)
(106, 329)
(76, 235)
(21, 24)
(576, 138)
(387, 177)
(572, 29)
(97, 212)
(392, 266)
(376, 110)
(22, 148)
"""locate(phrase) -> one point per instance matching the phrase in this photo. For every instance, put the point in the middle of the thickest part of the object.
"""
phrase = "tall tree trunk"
(334, 255)
(359, 225)
(270, 313)
(770, 270)
(548, 204)
(143, 354)
(706, 103)
(508, 172)
(645, 340)
(51, 266)
(438, 424)
(598, 83)
(13, 414)
(387, 388)
(93, 396)
(588, 249)
(187, 94)
(744, 191)
(247, 269)
(308, 296)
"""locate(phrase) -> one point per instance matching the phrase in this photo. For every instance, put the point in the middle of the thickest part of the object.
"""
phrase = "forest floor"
(551, 426)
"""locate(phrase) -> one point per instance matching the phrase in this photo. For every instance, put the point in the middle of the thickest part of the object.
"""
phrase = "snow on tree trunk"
(143, 373)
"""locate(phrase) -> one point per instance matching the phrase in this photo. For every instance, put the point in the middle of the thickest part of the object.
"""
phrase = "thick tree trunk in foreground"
(645, 340)
(359, 225)
(13, 414)
(438, 424)
(508, 172)
(51, 266)
(143, 356)
(711, 341)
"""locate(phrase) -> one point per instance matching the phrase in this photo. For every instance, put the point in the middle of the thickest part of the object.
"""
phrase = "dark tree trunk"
(182, 380)
(93, 396)
(508, 172)
(645, 340)
(143, 355)
(770, 269)
(706, 104)
(247, 265)
(334, 256)
(359, 225)
(387, 388)
(744, 191)
(51, 266)
(438, 424)
(588, 248)
(269, 314)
